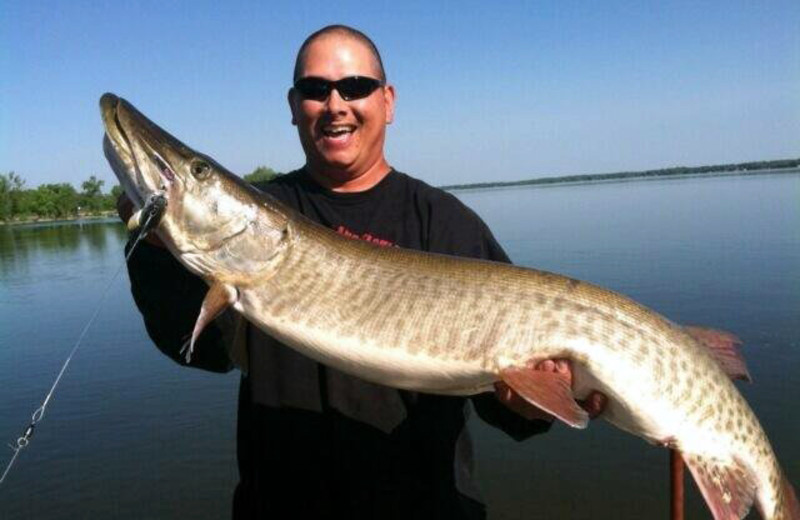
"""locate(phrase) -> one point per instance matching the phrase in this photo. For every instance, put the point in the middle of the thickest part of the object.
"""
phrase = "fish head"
(206, 204)
(210, 212)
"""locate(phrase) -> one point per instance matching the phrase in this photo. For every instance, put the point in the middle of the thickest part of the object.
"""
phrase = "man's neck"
(344, 182)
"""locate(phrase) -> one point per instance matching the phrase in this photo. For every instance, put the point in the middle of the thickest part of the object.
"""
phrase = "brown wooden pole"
(676, 485)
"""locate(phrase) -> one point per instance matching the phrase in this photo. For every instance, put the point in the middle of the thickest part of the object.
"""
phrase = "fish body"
(446, 325)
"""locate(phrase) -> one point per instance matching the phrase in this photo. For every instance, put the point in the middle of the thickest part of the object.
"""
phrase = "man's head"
(343, 140)
(343, 31)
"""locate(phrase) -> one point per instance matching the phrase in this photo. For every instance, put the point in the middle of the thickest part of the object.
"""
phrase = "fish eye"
(200, 169)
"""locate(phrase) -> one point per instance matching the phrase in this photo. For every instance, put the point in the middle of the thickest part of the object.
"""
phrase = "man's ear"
(388, 100)
(291, 97)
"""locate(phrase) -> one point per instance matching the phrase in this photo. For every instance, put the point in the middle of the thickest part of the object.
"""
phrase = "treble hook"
(147, 218)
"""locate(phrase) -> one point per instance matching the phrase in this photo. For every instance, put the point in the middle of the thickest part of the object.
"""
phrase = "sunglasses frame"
(329, 86)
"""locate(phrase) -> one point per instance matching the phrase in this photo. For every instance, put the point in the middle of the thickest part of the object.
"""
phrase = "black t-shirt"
(313, 442)
(399, 210)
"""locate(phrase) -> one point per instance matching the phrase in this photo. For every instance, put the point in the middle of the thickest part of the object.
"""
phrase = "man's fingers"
(503, 391)
(124, 207)
(125, 210)
(594, 404)
(548, 365)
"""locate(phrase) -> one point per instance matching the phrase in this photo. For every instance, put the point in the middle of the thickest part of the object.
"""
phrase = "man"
(314, 442)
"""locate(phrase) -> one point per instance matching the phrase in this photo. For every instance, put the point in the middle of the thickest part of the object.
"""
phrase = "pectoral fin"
(550, 391)
(218, 298)
(724, 347)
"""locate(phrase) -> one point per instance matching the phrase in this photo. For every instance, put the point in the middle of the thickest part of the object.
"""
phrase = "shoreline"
(79, 218)
(605, 178)
(566, 180)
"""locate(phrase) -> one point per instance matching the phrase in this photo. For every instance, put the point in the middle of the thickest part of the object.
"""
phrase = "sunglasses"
(350, 88)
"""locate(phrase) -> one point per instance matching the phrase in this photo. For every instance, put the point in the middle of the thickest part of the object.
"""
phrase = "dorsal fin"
(724, 347)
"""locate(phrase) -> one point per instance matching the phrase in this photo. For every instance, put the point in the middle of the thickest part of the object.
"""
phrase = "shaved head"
(341, 31)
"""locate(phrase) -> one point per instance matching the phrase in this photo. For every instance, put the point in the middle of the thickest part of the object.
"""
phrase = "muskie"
(439, 324)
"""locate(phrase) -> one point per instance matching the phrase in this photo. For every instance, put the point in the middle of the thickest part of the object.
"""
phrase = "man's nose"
(335, 102)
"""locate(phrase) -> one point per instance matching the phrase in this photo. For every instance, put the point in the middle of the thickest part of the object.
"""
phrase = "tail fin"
(728, 487)
(790, 501)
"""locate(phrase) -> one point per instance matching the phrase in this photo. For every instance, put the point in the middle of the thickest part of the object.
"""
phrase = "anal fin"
(727, 487)
(550, 391)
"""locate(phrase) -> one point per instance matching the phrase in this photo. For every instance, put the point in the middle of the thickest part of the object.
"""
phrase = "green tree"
(5, 198)
(55, 201)
(110, 200)
(261, 174)
(91, 198)
(17, 192)
(12, 196)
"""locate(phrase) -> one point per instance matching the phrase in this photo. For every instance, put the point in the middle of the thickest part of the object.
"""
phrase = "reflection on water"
(718, 252)
(20, 245)
(128, 425)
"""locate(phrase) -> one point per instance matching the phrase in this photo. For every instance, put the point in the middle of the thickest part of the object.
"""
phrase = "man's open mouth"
(337, 131)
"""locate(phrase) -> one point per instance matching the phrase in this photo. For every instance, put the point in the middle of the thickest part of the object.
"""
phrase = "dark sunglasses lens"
(313, 88)
(356, 87)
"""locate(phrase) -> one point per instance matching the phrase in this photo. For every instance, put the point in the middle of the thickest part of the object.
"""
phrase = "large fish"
(446, 325)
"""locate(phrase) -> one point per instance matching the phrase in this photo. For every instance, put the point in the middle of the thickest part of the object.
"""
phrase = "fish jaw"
(122, 145)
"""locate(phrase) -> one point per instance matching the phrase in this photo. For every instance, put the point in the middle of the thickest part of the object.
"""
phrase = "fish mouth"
(131, 144)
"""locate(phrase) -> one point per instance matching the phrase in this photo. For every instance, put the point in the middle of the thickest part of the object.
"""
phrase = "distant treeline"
(53, 201)
(63, 201)
(261, 174)
(664, 172)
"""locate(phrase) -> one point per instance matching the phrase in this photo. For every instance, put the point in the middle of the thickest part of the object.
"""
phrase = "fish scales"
(448, 325)
(622, 344)
(640, 346)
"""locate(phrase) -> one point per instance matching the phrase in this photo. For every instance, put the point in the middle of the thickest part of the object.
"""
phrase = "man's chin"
(334, 172)
(335, 165)
(337, 158)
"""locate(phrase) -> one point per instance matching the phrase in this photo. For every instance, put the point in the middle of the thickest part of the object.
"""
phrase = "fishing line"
(150, 216)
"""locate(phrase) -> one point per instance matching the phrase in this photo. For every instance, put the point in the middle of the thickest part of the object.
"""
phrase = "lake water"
(131, 435)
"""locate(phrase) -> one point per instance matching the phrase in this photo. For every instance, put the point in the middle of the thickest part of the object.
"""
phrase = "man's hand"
(594, 404)
(125, 210)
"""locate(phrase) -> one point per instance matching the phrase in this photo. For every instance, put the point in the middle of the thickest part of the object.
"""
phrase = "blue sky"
(508, 91)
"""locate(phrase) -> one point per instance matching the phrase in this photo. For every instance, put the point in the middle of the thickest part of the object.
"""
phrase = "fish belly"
(382, 364)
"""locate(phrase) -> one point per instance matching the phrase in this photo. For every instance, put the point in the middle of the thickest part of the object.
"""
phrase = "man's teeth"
(335, 131)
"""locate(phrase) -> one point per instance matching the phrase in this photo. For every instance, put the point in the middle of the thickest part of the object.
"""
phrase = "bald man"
(314, 442)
